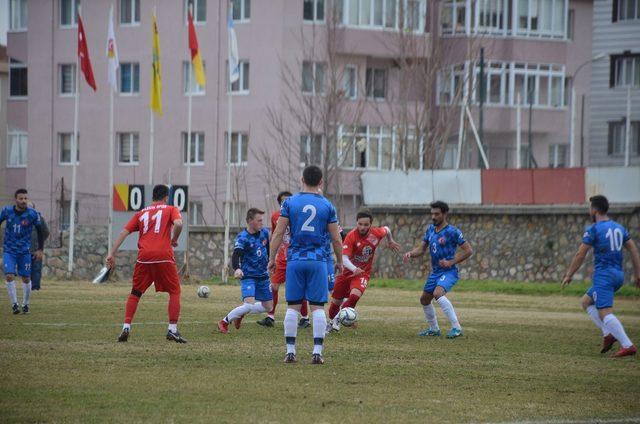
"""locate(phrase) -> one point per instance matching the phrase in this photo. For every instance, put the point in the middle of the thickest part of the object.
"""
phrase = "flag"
(156, 82)
(196, 59)
(112, 54)
(234, 69)
(83, 56)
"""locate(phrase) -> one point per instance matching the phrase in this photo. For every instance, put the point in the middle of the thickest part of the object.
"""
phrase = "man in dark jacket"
(36, 257)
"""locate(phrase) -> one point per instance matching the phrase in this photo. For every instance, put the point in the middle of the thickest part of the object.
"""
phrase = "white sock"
(430, 316)
(447, 308)
(173, 327)
(26, 293)
(241, 310)
(319, 326)
(595, 317)
(126, 326)
(614, 326)
(291, 329)
(257, 308)
(11, 289)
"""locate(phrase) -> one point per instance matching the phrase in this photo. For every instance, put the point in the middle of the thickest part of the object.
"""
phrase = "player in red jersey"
(358, 251)
(155, 264)
(278, 277)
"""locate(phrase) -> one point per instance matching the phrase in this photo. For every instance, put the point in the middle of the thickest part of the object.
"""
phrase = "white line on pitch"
(81, 324)
(588, 421)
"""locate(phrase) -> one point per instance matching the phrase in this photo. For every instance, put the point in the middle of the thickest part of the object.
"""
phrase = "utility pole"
(483, 93)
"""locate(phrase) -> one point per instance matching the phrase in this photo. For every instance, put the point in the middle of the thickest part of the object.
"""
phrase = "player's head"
(364, 219)
(312, 177)
(282, 196)
(160, 193)
(439, 211)
(254, 219)
(599, 206)
(22, 198)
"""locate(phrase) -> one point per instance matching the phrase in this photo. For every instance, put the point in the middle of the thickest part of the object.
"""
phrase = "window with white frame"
(616, 145)
(69, 13)
(376, 83)
(311, 149)
(453, 17)
(490, 16)
(313, 77)
(540, 18)
(626, 70)
(384, 14)
(350, 82)
(18, 15)
(240, 10)
(17, 149)
(241, 85)
(198, 9)
(237, 148)
(196, 217)
(18, 79)
(67, 72)
(129, 12)
(128, 148)
(313, 10)
(129, 78)
(189, 82)
(450, 84)
(364, 147)
(237, 213)
(450, 156)
(626, 10)
(65, 141)
(557, 155)
(197, 148)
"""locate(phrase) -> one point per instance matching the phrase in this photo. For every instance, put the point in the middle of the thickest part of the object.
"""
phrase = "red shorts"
(164, 275)
(280, 276)
(344, 285)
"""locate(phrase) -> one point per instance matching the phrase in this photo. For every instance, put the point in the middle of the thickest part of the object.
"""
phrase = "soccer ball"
(347, 317)
(203, 291)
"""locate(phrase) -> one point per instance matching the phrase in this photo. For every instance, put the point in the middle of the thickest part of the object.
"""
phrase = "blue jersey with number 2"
(607, 239)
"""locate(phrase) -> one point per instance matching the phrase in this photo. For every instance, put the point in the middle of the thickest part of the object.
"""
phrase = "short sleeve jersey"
(18, 229)
(443, 245)
(309, 217)
(328, 246)
(281, 256)
(607, 239)
(154, 224)
(361, 249)
(255, 253)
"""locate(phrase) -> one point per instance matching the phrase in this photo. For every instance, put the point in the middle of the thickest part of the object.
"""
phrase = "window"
(65, 140)
(196, 216)
(241, 85)
(311, 149)
(189, 80)
(313, 10)
(241, 10)
(237, 213)
(450, 156)
(17, 154)
(128, 148)
(626, 70)
(626, 10)
(557, 155)
(129, 12)
(198, 8)
(313, 77)
(490, 15)
(384, 14)
(67, 79)
(369, 147)
(18, 15)
(571, 22)
(69, 13)
(18, 79)
(237, 152)
(350, 82)
(129, 78)
(450, 84)
(617, 138)
(376, 83)
(541, 18)
(197, 148)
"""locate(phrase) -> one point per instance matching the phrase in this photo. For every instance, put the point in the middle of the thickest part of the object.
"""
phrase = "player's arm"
(236, 260)
(635, 259)
(40, 232)
(391, 243)
(461, 255)
(276, 241)
(416, 252)
(111, 261)
(336, 242)
(576, 263)
(177, 230)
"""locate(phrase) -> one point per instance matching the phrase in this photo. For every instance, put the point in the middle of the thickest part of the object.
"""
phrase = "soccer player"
(156, 264)
(17, 245)
(249, 261)
(442, 240)
(607, 238)
(358, 250)
(278, 277)
(309, 217)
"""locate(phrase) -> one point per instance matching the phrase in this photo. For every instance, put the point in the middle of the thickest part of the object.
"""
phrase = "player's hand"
(339, 268)
(406, 257)
(393, 246)
(38, 255)
(445, 263)
(174, 243)
(110, 261)
(357, 271)
(565, 281)
(238, 274)
(271, 266)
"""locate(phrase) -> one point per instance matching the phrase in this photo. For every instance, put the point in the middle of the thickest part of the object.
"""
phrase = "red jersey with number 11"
(154, 224)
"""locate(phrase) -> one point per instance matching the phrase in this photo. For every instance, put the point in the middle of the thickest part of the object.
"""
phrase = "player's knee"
(356, 292)
(10, 277)
(136, 293)
(586, 302)
(439, 292)
(425, 299)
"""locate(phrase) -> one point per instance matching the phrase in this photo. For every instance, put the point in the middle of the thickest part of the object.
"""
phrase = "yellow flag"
(156, 81)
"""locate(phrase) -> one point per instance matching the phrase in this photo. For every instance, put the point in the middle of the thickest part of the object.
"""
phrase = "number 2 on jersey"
(306, 226)
(157, 217)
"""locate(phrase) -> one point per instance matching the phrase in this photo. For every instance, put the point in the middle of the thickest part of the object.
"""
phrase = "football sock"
(333, 310)
(239, 311)
(447, 308)
(614, 326)
(430, 316)
(272, 313)
(304, 309)
(319, 325)
(257, 308)
(11, 289)
(26, 293)
(291, 329)
(595, 317)
(174, 307)
(126, 327)
(130, 308)
(173, 327)
(351, 301)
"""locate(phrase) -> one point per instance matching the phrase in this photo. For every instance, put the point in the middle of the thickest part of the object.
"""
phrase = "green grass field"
(529, 355)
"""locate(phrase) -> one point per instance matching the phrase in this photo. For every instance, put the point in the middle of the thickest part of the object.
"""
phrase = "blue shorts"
(20, 261)
(331, 273)
(258, 288)
(307, 280)
(446, 280)
(605, 284)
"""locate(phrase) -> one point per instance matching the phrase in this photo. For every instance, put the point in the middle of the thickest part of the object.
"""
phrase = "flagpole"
(151, 129)
(190, 87)
(74, 160)
(111, 153)
(225, 265)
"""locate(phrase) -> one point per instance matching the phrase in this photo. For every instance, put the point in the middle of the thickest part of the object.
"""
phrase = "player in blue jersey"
(249, 261)
(442, 240)
(17, 245)
(607, 238)
(310, 217)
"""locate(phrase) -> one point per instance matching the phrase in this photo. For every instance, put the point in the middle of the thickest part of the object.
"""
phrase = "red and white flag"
(83, 56)
(112, 54)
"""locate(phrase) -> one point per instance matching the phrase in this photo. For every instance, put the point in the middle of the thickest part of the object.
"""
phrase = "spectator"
(36, 263)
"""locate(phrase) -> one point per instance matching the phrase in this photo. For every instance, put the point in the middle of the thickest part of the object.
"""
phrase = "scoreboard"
(131, 198)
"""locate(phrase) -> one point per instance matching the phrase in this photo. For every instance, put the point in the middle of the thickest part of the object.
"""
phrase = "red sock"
(274, 293)
(352, 301)
(304, 309)
(333, 310)
(174, 307)
(130, 308)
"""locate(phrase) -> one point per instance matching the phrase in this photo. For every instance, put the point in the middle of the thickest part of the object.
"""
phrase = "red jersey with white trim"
(154, 224)
(281, 256)
(361, 249)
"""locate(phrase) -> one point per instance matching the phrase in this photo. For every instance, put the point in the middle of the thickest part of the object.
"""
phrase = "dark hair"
(251, 213)
(599, 203)
(439, 204)
(283, 194)
(19, 191)
(160, 192)
(364, 213)
(312, 175)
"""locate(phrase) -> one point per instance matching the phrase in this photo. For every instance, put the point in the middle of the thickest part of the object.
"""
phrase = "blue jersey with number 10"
(309, 217)
(607, 239)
